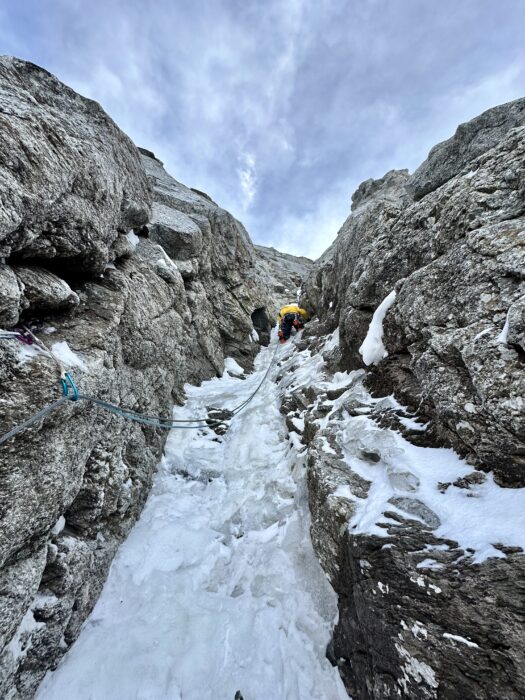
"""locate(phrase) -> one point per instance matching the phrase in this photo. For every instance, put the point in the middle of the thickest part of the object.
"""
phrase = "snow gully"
(217, 589)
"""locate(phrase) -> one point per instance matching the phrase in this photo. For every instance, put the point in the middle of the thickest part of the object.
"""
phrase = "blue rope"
(34, 419)
(68, 384)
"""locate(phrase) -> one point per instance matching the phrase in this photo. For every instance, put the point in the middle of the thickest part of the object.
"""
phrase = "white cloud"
(279, 109)
(247, 179)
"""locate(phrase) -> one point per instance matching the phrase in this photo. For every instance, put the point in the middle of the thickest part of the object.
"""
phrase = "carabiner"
(67, 383)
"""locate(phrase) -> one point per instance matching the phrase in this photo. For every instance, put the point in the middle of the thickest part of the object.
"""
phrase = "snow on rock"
(461, 640)
(232, 367)
(58, 526)
(69, 358)
(373, 349)
(217, 588)
(504, 335)
(406, 532)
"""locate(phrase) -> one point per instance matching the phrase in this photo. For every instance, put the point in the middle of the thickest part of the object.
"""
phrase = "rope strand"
(127, 413)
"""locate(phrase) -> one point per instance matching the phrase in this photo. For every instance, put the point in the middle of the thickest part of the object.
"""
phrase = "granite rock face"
(450, 240)
(138, 284)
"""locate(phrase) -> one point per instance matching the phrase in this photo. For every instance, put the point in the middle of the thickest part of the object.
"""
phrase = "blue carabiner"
(65, 388)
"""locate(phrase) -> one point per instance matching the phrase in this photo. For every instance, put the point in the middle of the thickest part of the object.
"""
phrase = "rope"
(34, 419)
(243, 405)
(152, 421)
(48, 352)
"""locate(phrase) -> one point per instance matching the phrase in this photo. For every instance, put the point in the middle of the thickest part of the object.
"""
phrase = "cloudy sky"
(280, 108)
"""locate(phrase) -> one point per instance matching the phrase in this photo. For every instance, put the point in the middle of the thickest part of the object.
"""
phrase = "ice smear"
(67, 356)
(133, 238)
(217, 588)
(372, 350)
(333, 341)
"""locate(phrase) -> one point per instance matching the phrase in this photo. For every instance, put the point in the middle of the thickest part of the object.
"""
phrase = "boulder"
(43, 290)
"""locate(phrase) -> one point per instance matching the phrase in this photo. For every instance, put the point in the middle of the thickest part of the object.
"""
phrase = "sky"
(278, 109)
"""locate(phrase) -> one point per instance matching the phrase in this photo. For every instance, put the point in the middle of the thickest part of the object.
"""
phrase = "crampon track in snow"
(217, 588)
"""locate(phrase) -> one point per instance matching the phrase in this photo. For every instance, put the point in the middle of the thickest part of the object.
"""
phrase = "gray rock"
(417, 508)
(472, 139)
(179, 235)
(43, 291)
(286, 273)
(10, 296)
(70, 179)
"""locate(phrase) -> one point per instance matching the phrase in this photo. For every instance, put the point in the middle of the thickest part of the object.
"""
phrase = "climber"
(291, 316)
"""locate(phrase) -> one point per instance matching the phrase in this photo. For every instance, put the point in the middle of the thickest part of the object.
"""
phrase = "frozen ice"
(217, 587)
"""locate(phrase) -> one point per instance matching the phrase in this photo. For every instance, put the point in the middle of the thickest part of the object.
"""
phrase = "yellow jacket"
(292, 309)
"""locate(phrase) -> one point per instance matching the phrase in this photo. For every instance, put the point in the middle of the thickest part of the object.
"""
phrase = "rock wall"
(138, 284)
(450, 241)
(286, 271)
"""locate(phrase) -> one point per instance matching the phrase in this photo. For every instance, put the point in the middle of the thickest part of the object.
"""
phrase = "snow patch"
(373, 350)
(414, 669)
(429, 564)
(462, 640)
(477, 518)
(58, 526)
(69, 358)
(503, 336)
(344, 491)
(412, 424)
(232, 367)
(482, 333)
(298, 423)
